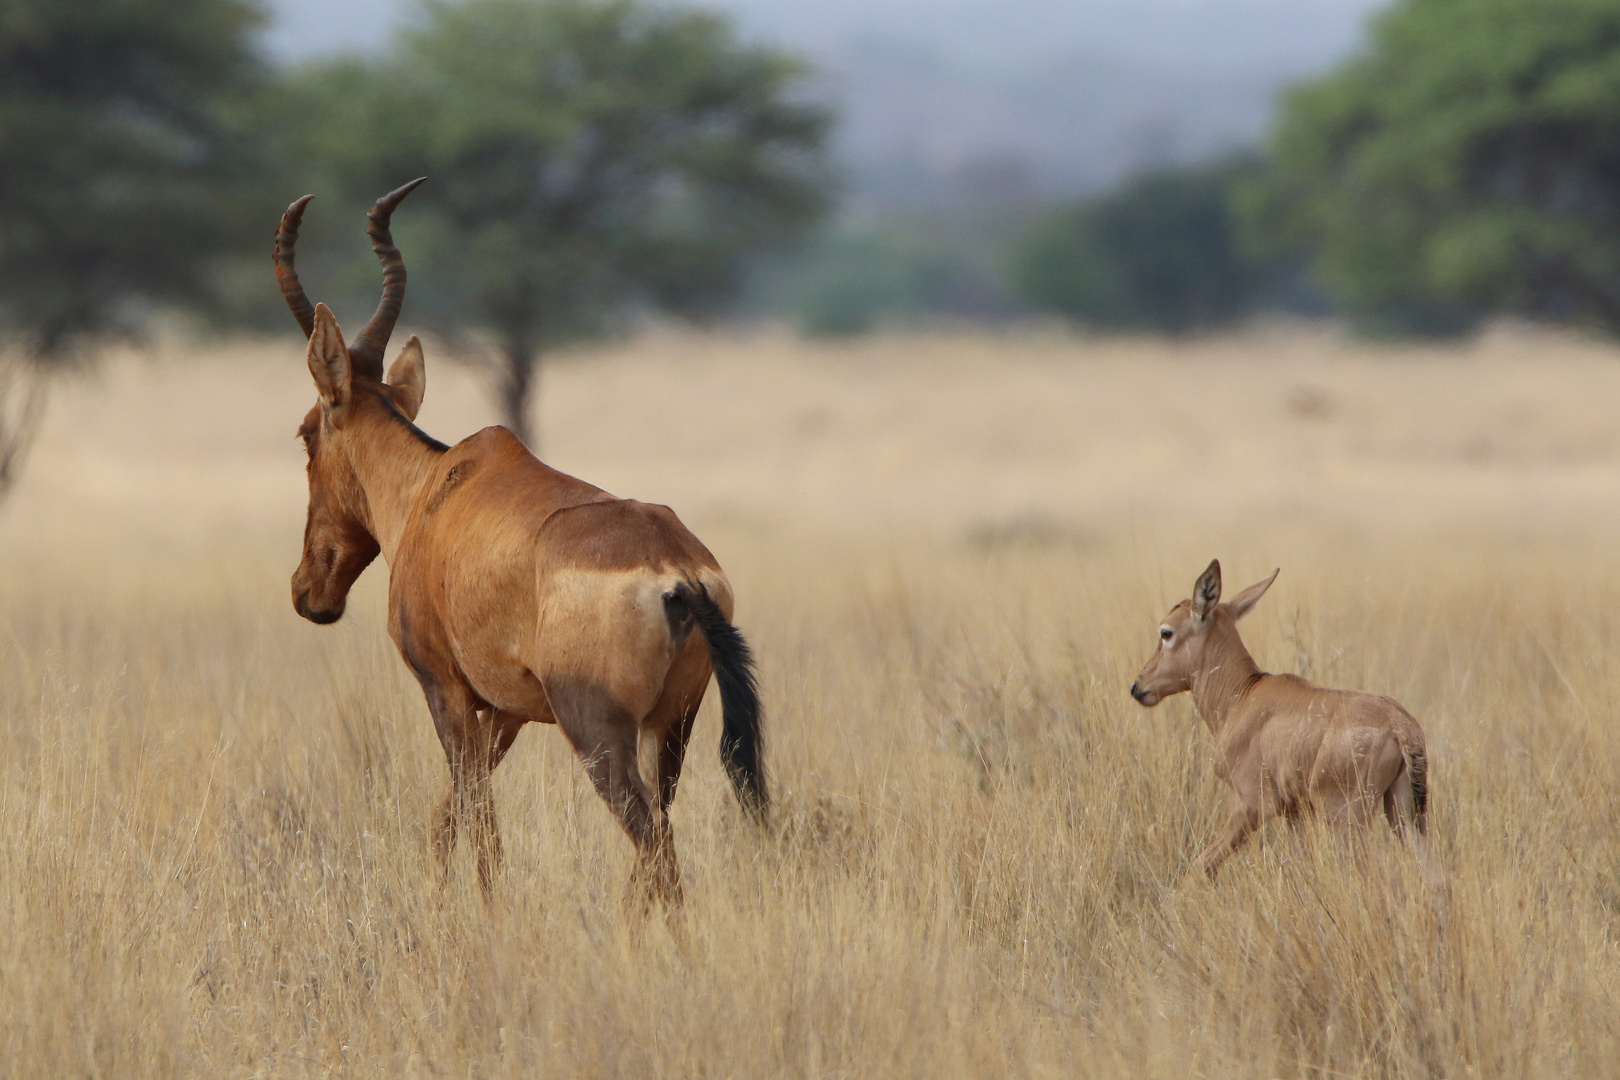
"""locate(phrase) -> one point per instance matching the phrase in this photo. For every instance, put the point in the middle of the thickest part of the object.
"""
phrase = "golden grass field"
(951, 556)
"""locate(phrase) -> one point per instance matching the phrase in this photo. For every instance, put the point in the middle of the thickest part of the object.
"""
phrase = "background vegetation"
(1467, 164)
(595, 162)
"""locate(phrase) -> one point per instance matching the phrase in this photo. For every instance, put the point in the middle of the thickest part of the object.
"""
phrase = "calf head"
(1185, 633)
(339, 538)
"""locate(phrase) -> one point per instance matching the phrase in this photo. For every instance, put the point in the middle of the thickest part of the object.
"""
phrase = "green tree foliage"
(1159, 253)
(1469, 161)
(586, 159)
(114, 155)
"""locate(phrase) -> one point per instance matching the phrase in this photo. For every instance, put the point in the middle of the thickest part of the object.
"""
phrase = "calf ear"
(1207, 592)
(328, 358)
(407, 378)
(1243, 601)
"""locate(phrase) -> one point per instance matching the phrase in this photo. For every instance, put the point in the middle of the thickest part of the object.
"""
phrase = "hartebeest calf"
(1285, 745)
(516, 593)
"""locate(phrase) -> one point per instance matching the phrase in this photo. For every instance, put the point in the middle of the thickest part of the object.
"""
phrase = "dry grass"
(951, 556)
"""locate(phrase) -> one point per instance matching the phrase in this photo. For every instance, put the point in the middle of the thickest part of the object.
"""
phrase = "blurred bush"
(1161, 252)
(1467, 163)
(896, 270)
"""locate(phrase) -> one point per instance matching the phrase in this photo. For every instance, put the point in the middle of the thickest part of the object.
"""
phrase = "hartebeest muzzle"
(322, 616)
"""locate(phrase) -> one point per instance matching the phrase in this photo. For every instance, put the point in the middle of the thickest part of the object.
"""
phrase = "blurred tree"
(1469, 161)
(113, 151)
(1159, 253)
(586, 159)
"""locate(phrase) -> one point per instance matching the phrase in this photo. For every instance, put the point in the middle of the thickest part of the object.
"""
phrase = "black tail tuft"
(741, 743)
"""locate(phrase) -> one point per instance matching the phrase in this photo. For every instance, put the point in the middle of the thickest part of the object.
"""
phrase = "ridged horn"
(286, 276)
(366, 354)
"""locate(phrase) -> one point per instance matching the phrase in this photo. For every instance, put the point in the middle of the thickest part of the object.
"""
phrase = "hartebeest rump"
(1285, 745)
(516, 593)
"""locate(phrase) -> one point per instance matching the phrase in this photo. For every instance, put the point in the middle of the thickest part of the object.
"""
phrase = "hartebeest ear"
(1207, 592)
(1245, 600)
(407, 378)
(329, 358)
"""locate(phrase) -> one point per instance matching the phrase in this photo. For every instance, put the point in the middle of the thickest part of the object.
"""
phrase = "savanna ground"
(951, 557)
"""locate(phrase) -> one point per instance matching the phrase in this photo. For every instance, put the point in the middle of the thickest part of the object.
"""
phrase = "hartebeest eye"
(1165, 633)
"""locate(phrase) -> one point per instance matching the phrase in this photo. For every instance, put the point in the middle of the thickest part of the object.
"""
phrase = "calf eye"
(1166, 633)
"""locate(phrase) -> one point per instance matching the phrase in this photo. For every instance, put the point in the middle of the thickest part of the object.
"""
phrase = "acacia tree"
(585, 159)
(1468, 161)
(114, 150)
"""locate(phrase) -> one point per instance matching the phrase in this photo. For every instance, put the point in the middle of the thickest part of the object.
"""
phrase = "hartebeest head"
(339, 538)
(1185, 634)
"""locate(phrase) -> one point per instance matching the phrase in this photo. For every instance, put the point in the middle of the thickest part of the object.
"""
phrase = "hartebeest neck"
(392, 460)
(1226, 675)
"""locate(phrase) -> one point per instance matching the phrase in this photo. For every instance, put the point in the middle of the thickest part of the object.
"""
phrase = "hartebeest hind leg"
(605, 736)
(672, 755)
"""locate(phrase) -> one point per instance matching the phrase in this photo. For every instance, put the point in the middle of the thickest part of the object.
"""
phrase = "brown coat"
(1283, 744)
(516, 593)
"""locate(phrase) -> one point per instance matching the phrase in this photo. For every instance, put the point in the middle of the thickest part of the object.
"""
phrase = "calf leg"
(1239, 827)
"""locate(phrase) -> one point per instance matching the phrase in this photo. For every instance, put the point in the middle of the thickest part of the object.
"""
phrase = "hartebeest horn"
(286, 276)
(366, 353)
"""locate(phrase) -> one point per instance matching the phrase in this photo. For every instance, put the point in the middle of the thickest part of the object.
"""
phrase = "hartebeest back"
(1284, 745)
(516, 593)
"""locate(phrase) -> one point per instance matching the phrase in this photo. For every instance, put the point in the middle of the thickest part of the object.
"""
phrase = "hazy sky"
(1072, 93)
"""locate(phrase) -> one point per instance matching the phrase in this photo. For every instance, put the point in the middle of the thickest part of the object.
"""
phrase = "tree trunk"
(22, 407)
(520, 363)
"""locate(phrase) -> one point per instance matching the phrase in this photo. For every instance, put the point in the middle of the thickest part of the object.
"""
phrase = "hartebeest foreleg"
(474, 743)
(492, 738)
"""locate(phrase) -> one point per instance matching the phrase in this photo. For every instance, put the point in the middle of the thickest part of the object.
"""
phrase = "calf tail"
(1417, 770)
(741, 740)
(1434, 875)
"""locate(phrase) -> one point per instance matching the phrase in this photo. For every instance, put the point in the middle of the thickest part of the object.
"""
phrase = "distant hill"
(945, 101)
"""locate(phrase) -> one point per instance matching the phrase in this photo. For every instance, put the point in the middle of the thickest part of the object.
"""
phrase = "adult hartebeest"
(1284, 745)
(516, 593)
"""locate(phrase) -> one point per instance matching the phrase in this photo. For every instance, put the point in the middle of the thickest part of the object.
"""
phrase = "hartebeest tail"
(733, 661)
